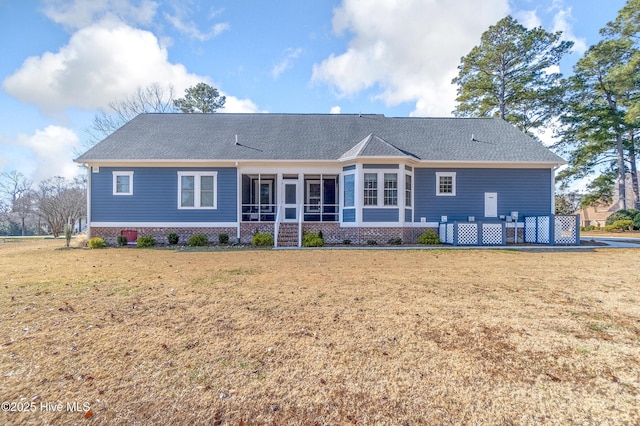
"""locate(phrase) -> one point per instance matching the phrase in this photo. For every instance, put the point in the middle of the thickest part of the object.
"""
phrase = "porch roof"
(168, 137)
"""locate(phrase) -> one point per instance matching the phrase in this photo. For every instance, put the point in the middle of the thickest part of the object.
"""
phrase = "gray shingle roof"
(316, 137)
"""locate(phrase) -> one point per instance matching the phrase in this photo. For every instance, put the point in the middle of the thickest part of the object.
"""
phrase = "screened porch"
(290, 198)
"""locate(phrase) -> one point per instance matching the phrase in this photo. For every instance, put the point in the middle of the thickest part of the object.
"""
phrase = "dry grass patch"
(320, 337)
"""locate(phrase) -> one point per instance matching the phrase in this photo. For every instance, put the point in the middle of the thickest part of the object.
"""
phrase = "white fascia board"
(388, 224)
(377, 159)
(164, 224)
(332, 169)
(485, 165)
(160, 163)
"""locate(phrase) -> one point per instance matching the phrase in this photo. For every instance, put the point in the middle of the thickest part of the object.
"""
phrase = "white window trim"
(115, 182)
(380, 188)
(196, 188)
(410, 174)
(452, 175)
(344, 187)
(397, 189)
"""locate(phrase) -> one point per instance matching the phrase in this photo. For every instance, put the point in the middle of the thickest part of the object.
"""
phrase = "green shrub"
(198, 240)
(588, 228)
(429, 237)
(147, 241)
(619, 225)
(223, 238)
(629, 214)
(636, 221)
(262, 240)
(372, 242)
(122, 240)
(96, 242)
(346, 242)
(67, 234)
(320, 234)
(395, 241)
(173, 238)
(312, 240)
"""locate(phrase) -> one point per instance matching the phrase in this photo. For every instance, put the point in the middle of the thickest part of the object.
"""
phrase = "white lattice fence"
(472, 233)
(566, 230)
(530, 229)
(552, 229)
(492, 234)
(442, 232)
(468, 234)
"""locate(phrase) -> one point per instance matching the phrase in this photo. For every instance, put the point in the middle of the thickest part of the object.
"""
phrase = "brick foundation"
(331, 231)
(110, 235)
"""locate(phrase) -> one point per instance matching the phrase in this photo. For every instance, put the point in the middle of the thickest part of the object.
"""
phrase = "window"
(407, 190)
(390, 189)
(349, 190)
(446, 183)
(370, 189)
(197, 190)
(122, 183)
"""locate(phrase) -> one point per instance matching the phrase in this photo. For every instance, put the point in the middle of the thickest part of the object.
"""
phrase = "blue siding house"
(357, 177)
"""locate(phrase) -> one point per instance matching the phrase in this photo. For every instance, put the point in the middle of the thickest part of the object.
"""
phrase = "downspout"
(89, 173)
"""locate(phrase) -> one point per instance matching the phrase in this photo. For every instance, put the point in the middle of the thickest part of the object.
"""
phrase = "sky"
(61, 61)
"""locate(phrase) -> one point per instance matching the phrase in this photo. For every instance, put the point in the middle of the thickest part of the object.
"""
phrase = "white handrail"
(300, 213)
(276, 226)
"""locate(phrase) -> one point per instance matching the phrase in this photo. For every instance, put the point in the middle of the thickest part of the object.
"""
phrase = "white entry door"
(290, 201)
(490, 204)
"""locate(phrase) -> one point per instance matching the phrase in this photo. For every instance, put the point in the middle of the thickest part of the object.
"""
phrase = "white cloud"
(101, 63)
(233, 104)
(181, 23)
(48, 153)
(562, 22)
(335, 110)
(408, 50)
(287, 62)
(528, 18)
(76, 14)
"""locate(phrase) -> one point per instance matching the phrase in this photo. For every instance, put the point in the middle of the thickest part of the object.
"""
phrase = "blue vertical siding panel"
(527, 191)
(380, 215)
(407, 215)
(155, 197)
(349, 215)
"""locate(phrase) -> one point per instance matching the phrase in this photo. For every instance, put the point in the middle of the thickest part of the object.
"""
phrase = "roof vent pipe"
(237, 140)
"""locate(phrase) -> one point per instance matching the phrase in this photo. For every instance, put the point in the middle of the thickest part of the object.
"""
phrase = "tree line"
(27, 208)
(45, 208)
(594, 113)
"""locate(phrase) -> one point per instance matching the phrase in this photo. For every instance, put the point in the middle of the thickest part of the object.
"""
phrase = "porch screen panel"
(290, 194)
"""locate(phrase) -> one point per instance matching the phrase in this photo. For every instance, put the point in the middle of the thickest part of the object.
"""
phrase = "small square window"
(446, 183)
(122, 183)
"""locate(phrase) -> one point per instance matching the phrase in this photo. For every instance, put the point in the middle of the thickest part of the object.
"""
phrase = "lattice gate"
(553, 229)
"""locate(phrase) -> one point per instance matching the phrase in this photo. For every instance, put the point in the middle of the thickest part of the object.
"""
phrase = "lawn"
(140, 336)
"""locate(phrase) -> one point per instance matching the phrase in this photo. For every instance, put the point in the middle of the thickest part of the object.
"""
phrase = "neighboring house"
(596, 216)
(357, 177)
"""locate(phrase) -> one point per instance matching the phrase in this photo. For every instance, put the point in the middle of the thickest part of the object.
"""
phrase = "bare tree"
(60, 202)
(153, 98)
(16, 189)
